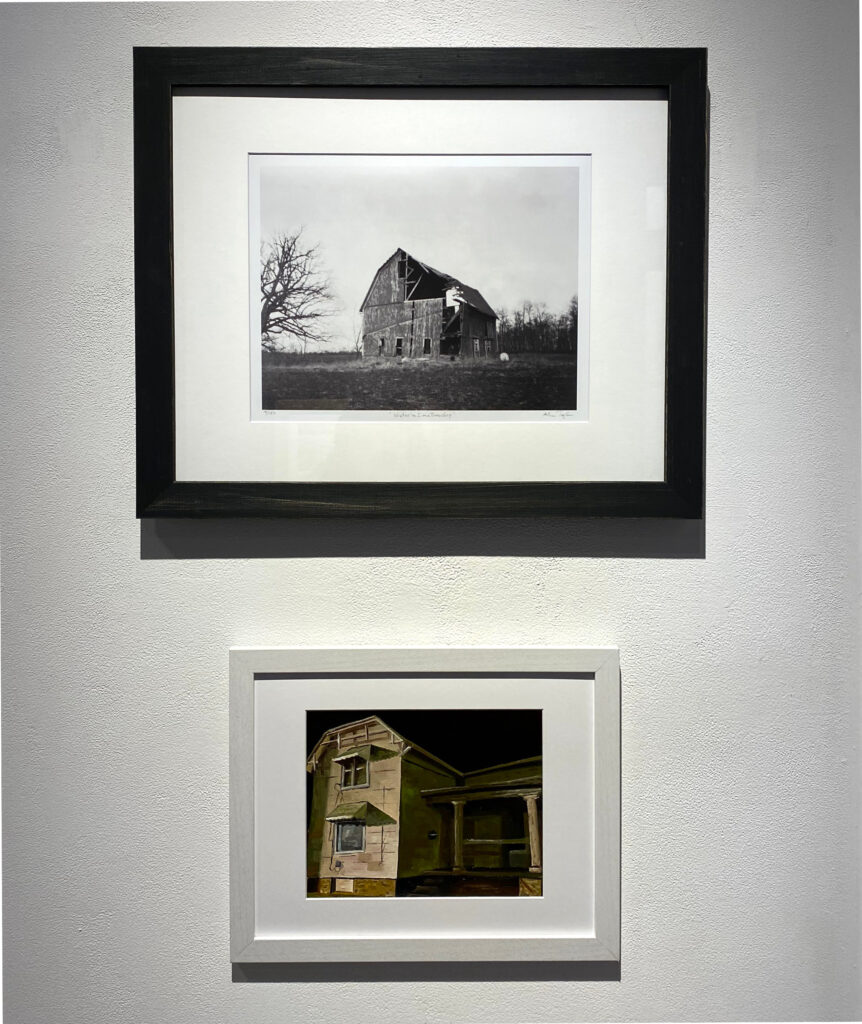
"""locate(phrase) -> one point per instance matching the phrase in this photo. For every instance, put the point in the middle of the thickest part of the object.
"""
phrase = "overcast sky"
(505, 227)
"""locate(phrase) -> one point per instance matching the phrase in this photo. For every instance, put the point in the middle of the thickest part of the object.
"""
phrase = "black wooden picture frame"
(680, 73)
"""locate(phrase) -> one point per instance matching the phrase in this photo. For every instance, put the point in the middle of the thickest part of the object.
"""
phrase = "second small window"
(354, 772)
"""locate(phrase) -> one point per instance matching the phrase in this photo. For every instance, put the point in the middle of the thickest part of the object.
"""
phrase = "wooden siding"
(379, 859)
(387, 316)
(410, 321)
(386, 287)
(476, 325)
(416, 852)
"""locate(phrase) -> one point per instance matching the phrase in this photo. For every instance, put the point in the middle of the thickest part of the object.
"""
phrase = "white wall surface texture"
(740, 668)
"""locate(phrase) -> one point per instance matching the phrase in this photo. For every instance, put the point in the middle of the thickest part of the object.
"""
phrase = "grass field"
(527, 381)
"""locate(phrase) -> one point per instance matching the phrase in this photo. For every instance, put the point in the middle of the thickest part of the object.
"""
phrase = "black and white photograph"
(418, 284)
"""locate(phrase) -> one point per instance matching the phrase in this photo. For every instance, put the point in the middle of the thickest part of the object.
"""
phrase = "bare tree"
(296, 296)
(358, 338)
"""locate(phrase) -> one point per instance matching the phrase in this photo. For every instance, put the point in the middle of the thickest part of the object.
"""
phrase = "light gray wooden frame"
(601, 664)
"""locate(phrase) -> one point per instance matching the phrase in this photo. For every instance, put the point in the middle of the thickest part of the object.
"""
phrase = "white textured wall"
(740, 702)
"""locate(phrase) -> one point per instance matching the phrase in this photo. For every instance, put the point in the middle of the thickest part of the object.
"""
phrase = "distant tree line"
(533, 328)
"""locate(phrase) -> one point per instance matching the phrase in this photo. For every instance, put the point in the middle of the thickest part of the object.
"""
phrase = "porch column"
(458, 853)
(533, 823)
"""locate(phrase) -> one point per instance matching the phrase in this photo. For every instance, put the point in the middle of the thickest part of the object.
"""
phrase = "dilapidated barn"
(412, 311)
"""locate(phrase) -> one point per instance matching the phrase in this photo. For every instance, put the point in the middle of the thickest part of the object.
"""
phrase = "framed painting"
(424, 804)
(420, 282)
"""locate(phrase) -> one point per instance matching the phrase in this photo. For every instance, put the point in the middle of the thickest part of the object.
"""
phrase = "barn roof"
(472, 296)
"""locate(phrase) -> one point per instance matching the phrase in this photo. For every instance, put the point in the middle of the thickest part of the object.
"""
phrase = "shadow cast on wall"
(409, 538)
(411, 972)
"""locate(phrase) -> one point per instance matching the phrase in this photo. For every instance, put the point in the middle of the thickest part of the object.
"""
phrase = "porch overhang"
(531, 786)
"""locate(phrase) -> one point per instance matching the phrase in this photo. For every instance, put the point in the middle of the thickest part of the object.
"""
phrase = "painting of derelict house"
(431, 283)
(388, 817)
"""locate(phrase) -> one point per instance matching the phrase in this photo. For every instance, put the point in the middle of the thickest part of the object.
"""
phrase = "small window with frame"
(354, 772)
(349, 836)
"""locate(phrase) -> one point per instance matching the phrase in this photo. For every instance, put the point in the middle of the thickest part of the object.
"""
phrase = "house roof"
(485, 790)
(505, 764)
(407, 746)
(472, 296)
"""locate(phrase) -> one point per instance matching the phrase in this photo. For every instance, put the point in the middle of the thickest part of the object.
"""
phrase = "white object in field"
(454, 296)
(504, 358)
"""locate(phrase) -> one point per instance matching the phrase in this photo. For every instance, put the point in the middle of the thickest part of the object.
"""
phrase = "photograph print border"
(340, 330)
(455, 817)
(681, 73)
(598, 667)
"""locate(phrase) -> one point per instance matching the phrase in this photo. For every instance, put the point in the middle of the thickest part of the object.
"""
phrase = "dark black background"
(465, 739)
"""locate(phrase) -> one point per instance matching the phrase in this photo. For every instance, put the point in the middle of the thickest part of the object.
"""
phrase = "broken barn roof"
(472, 296)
